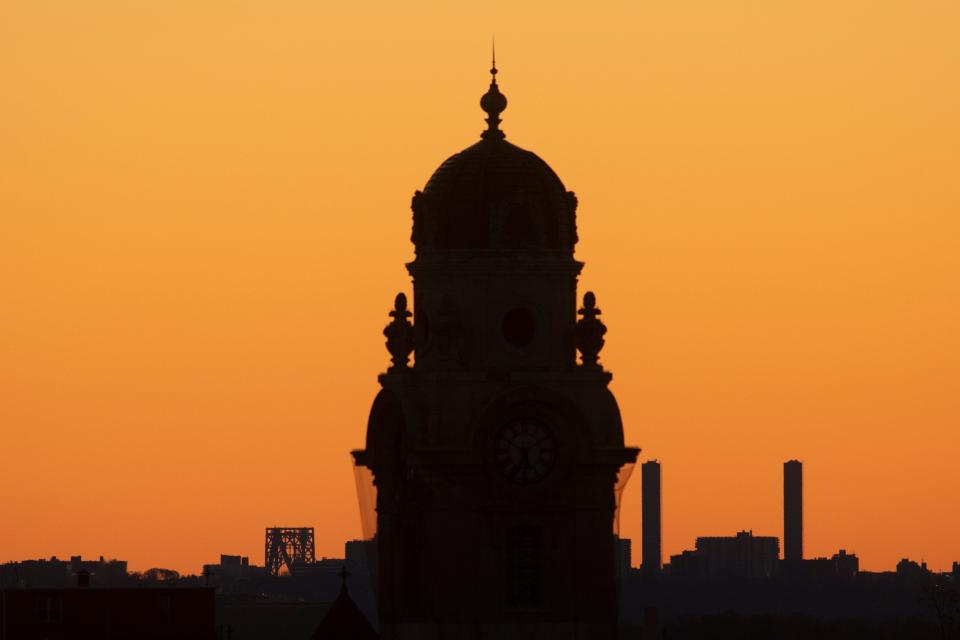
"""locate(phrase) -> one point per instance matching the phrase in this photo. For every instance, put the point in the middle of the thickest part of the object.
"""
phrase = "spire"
(493, 102)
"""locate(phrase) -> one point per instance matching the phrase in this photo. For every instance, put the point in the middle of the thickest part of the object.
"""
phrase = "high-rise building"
(495, 453)
(652, 524)
(744, 555)
(793, 511)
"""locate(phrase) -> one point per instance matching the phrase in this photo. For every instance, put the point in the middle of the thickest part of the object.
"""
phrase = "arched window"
(524, 566)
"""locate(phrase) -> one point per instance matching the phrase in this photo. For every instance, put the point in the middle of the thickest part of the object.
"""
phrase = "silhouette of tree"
(943, 600)
(157, 574)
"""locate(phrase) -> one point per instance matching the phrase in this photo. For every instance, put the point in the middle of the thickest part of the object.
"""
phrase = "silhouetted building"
(344, 620)
(496, 453)
(268, 619)
(360, 560)
(840, 565)
(793, 511)
(687, 565)
(36, 573)
(907, 568)
(624, 556)
(324, 567)
(285, 547)
(847, 565)
(62, 573)
(652, 524)
(232, 574)
(120, 613)
(301, 605)
(742, 556)
(229, 568)
(249, 597)
(359, 556)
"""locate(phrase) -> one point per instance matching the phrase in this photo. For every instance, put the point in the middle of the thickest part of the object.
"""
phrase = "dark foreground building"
(123, 613)
(496, 454)
(344, 620)
(259, 618)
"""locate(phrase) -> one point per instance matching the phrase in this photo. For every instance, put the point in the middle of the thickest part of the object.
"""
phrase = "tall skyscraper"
(793, 510)
(652, 526)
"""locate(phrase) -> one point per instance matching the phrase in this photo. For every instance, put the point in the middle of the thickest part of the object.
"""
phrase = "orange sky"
(204, 216)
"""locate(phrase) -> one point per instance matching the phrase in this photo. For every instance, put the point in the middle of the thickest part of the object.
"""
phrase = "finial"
(399, 334)
(589, 332)
(493, 102)
(343, 574)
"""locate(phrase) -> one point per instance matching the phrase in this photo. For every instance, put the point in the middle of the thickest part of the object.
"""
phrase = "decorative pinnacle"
(494, 103)
(399, 334)
(589, 332)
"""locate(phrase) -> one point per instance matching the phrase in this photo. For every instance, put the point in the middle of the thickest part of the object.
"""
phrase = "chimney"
(793, 511)
(651, 524)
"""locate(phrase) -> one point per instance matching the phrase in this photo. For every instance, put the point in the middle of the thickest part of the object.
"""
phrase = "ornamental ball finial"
(399, 334)
(493, 103)
(589, 332)
(589, 300)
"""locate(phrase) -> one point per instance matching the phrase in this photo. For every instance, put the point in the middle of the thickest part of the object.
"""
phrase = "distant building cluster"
(294, 595)
(743, 555)
(230, 600)
(745, 574)
(62, 573)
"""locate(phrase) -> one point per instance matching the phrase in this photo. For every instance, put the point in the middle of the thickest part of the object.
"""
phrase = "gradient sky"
(204, 217)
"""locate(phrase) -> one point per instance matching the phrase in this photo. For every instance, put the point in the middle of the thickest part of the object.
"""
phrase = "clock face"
(525, 451)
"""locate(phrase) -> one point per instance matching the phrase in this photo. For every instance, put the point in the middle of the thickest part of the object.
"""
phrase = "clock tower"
(495, 454)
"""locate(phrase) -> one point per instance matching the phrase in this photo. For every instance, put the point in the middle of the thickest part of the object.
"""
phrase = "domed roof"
(494, 196)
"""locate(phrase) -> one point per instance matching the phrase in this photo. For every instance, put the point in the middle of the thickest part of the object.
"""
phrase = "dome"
(494, 196)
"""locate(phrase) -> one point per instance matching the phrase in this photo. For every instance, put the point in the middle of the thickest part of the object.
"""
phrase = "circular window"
(518, 327)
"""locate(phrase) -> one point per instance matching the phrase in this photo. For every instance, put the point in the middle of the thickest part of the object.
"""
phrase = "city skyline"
(198, 274)
(652, 468)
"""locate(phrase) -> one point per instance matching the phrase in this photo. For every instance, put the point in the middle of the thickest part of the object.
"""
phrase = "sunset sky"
(204, 217)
